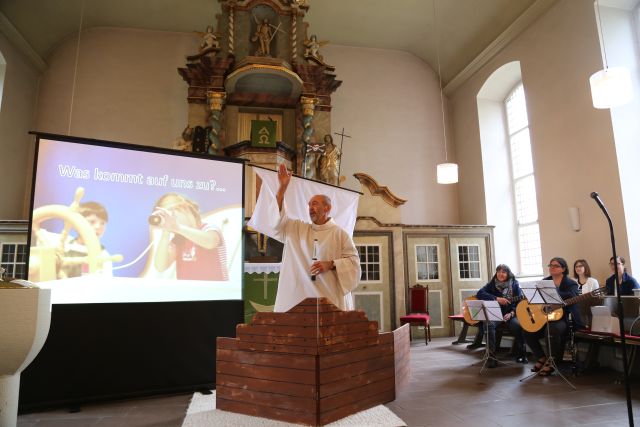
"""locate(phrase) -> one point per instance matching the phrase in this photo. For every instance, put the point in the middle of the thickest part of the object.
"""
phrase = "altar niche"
(264, 29)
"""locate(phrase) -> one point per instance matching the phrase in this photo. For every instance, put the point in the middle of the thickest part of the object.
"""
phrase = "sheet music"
(549, 292)
(541, 292)
(529, 289)
(493, 310)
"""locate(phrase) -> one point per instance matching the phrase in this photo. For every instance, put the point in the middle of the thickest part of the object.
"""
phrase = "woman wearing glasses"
(558, 330)
(627, 283)
(582, 274)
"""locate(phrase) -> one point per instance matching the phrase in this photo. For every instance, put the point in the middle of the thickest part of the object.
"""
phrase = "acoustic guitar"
(467, 315)
(533, 317)
(465, 311)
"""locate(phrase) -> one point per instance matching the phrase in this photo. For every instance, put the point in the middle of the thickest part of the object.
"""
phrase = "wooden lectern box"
(311, 365)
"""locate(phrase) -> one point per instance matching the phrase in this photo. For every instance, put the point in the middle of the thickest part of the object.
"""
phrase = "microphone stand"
(625, 361)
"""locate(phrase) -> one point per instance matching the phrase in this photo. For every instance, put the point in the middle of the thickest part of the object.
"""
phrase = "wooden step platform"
(311, 365)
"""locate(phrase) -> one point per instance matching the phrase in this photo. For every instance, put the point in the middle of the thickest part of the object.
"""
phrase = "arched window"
(524, 184)
(509, 180)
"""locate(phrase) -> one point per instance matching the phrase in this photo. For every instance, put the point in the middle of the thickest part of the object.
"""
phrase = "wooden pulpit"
(311, 365)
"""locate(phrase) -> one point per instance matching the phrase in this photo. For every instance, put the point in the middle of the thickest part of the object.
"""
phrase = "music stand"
(544, 292)
(486, 311)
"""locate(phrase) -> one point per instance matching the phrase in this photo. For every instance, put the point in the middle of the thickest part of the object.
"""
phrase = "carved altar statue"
(330, 161)
(312, 47)
(312, 156)
(263, 37)
(184, 142)
(209, 40)
(208, 45)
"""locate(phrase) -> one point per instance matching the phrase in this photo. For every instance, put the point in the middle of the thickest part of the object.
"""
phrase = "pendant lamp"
(446, 173)
(611, 86)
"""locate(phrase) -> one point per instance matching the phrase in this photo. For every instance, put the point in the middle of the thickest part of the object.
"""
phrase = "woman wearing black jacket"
(505, 289)
(559, 329)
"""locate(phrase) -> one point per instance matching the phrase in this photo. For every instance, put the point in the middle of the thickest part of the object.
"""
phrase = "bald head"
(319, 208)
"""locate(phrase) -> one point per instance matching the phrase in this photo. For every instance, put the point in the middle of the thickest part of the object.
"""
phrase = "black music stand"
(545, 293)
(486, 311)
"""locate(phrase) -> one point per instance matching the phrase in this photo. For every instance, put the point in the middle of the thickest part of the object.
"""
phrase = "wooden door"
(427, 263)
(374, 293)
(470, 268)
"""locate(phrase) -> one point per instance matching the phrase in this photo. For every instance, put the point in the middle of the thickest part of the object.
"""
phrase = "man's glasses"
(554, 266)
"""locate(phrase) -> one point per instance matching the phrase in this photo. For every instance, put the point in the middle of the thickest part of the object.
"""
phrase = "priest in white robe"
(336, 266)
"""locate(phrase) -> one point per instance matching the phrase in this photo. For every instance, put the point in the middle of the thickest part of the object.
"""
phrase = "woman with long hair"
(505, 289)
(582, 274)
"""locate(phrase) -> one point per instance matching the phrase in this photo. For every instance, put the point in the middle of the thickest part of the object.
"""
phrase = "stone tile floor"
(445, 389)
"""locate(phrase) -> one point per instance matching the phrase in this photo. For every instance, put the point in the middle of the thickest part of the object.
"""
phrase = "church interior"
(467, 129)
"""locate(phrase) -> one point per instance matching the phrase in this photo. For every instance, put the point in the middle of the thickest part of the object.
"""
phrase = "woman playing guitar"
(505, 289)
(567, 288)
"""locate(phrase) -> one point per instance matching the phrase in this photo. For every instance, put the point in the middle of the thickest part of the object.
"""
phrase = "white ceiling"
(465, 28)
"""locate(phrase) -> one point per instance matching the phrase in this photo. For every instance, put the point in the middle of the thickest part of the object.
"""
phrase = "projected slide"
(113, 224)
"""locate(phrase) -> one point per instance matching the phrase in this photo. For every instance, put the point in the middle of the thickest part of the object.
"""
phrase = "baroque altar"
(260, 90)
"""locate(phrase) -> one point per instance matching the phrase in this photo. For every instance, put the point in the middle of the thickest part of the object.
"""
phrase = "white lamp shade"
(447, 173)
(611, 87)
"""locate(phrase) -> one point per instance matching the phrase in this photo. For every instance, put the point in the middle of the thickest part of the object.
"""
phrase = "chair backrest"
(419, 299)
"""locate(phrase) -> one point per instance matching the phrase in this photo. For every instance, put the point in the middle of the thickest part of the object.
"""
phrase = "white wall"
(572, 144)
(16, 120)
(620, 38)
(389, 103)
(127, 86)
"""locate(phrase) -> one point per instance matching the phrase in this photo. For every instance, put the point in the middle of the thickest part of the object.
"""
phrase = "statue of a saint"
(263, 36)
(330, 161)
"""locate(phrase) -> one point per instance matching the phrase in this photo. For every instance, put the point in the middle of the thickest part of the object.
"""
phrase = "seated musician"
(505, 289)
(559, 329)
(627, 283)
(582, 274)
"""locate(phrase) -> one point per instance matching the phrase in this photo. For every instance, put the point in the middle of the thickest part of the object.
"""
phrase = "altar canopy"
(265, 215)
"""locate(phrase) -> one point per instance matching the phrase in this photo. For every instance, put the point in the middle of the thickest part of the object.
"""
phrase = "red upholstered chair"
(419, 310)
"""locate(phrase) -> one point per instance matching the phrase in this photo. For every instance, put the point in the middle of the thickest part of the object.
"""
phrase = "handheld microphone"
(314, 257)
(155, 219)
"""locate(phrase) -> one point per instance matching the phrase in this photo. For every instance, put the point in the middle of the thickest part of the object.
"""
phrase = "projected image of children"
(196, 246)
(97, 217)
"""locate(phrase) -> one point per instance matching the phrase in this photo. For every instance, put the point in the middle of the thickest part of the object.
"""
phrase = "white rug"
(202, 412)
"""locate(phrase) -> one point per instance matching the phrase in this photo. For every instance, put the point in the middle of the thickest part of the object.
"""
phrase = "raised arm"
(284, 178)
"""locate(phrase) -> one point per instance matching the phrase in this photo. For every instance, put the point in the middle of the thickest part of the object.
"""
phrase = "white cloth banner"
(344, 203)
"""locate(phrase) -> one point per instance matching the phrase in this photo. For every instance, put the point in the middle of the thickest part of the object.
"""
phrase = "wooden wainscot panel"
(313, 365)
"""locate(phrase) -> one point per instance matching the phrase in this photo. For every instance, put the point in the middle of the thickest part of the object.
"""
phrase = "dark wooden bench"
(501, 331)
(462, 337)
(596, 339)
